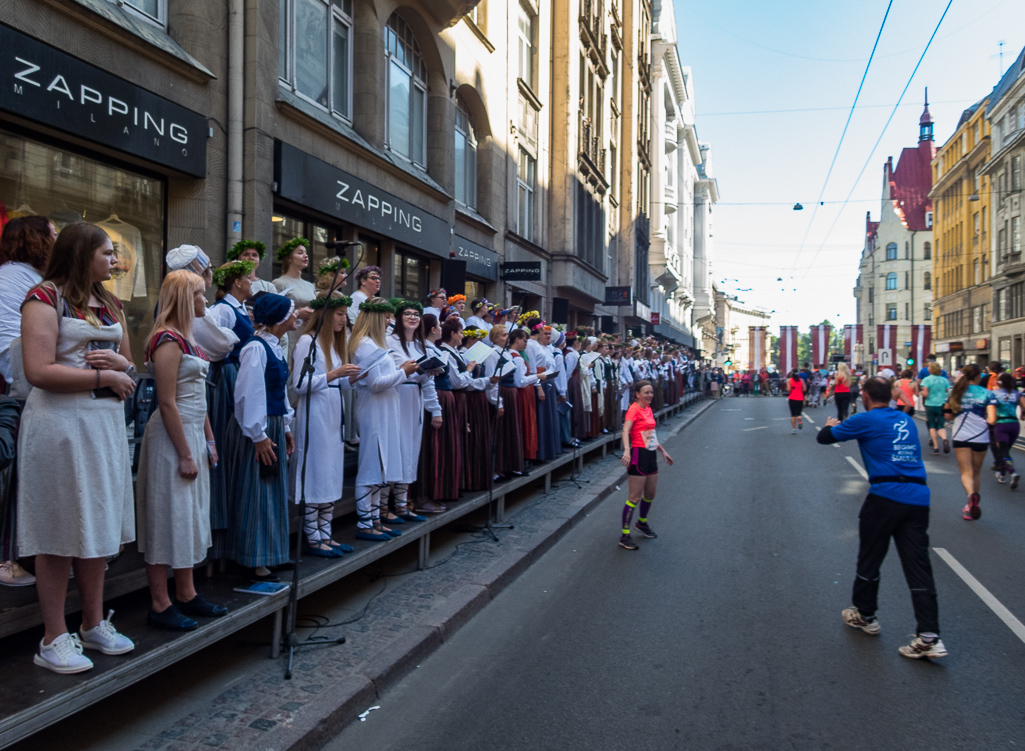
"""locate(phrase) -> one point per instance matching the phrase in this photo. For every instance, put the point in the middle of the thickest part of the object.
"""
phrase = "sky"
(752, 58)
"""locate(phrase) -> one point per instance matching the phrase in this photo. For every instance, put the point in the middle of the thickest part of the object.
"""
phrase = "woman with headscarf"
(589, 387)
(416, 395)
(260, 440)
(379, 409)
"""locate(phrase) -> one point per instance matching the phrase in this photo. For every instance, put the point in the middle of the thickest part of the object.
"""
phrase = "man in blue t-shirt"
(924, 372)
(897, 506)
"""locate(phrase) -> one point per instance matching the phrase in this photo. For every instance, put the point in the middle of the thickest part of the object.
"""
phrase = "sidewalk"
(232, 698)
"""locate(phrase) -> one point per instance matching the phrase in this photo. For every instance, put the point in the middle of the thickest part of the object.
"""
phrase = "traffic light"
(729, 363)
(911, 361)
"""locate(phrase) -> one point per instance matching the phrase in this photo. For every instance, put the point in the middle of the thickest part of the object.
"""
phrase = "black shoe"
(199, 605)
(626, 542)
(270, 576)
(645, 530)
(172, 620)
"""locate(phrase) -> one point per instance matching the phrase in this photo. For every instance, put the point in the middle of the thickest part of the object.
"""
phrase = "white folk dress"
(416, 394)
(380, 418)
(74, 470)
(173, 514)
(325, 462)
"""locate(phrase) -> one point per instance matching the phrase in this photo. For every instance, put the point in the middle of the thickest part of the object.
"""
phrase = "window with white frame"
(526, 177)
(315, 52)
(407, 92)
(151, 10)
(526, 27)
(891, 280)
(466, 159)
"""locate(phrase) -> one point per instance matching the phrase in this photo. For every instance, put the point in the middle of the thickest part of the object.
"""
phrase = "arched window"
(891, 252)
(891, 280)
(927, 280)
(407, 92)
(927, 251)
(466, 159)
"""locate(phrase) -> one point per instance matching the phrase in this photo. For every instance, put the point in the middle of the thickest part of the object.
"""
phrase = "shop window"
(525, 187)
(466, 159)
(315, 52)
(891, 280)
(285, 227)
(407, 92)
(151, 10)
(473, 290)
(38, 179)
(891, 252)
(410, 274)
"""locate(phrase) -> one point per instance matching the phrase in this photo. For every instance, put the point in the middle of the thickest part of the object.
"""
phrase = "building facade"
(895, 273)
(732, 342)
(498, 148)
(961, 253)
(1006, 180)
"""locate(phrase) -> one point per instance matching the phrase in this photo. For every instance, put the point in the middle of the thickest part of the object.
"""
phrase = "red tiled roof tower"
(911, 181)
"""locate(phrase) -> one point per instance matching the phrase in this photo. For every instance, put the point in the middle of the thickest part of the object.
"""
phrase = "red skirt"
(441, 453)
(480, 419)
(595, 416)
(528, 420)
(509, 449)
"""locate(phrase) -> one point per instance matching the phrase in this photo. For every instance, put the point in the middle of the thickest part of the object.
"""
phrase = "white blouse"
(251, 392)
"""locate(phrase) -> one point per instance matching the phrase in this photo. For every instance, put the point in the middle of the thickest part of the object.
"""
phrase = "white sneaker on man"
(13, 575)
(63, 655)
(106, 638)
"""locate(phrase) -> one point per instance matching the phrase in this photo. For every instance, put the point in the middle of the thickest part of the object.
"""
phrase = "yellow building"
(961, 264)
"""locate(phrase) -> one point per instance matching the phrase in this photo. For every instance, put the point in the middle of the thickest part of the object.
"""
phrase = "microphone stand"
(291, 638)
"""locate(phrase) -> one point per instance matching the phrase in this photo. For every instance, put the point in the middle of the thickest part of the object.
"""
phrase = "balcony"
(591, 157)
(670, 136)
(592, 35)
(644, 71)
(670, 198)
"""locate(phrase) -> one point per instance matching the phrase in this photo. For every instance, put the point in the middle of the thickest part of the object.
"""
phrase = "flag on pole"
(921, 342)
(820, 345)
(787, 349)
(886, 344)
(852, 334)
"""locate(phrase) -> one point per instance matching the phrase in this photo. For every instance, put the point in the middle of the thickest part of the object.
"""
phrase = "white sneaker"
(1000, 477)
(63, 655)
(853, 618)
(13, 575)
(106, 638)
(919, 648)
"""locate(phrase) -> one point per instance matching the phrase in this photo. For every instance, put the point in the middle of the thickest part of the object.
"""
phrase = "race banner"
(852, 334)
(820, 345)
(756, 347)
(921, 342)
(787, 349)
(886, 344)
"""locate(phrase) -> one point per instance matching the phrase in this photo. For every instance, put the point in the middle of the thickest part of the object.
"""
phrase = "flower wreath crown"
(376, 307)
(335, 301)
(235, 268)
(407, 305)
(475, 334)
(243, 245)
(331, 265)
(286, 250)
(524, 317)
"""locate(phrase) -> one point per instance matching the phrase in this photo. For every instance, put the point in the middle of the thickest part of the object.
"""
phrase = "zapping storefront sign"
(312, 182)
(43, 84)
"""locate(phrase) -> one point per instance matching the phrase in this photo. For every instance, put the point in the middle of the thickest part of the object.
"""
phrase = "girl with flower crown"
(322, 454)
(294, 257)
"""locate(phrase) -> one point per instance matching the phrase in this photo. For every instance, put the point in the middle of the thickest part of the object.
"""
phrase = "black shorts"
(978, 448)
(796, 405)
(643, 462)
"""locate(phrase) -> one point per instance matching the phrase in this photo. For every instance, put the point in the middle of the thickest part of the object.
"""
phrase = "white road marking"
(760, 427)
(808, 419)
(854, 463)
(984, 594)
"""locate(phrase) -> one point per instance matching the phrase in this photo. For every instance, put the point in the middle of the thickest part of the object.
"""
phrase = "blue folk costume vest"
(275, 378)
(509, 379)
(243, 329)
(443, 382)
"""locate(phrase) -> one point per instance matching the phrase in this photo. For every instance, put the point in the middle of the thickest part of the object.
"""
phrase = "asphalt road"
(725, 632)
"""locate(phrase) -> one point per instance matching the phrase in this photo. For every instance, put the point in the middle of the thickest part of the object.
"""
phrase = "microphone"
(335, 244)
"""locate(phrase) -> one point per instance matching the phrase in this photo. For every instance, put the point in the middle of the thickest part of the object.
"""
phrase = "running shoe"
(971, 511)
(627, 542)
(919, 648)
(853, 618)
(946, 446)
(800, 424)
(1015, 478)
(793, 431)
(935, 452)
(645, 530)
(1000, 477)
(106, 638)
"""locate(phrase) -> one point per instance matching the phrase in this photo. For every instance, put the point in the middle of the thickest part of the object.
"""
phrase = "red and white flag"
(756, 347)
(886, 345)
(921, 342)
(787, 349)
(852, 334)
(820, 345)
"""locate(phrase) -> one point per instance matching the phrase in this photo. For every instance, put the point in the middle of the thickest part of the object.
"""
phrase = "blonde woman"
(841, 391)
(75, 476)
(332, 373)
(378, 409)
(177, 450)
